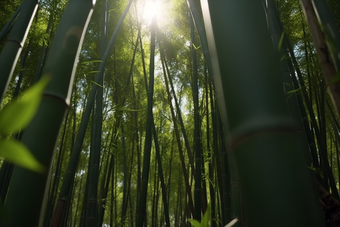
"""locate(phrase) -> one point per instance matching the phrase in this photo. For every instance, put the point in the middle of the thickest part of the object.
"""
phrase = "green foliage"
(17, 153)
(19, 113)
(96, 83)
(93, 61)
(205, 220)
(195, 223)
(294, 91)
(15, 117)
(196, 48)
(318, 171)
(281, 41)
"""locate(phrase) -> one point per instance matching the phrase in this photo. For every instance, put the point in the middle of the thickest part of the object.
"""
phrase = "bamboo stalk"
(4, 31)
(73, 162)
(141, 206)
(330, 30)
(322, 50)
(15, 42)
(197, 135)
(27, 189)
(260, 133)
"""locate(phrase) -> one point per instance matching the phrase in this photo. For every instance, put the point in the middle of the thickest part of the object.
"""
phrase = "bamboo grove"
(170, 113)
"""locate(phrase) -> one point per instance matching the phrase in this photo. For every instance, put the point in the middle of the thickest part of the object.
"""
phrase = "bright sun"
(151, 8)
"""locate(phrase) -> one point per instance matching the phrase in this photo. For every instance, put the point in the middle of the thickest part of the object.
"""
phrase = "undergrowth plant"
(206, 220)
(15, 117)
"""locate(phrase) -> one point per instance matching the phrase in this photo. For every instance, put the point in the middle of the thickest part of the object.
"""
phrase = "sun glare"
(152, 8)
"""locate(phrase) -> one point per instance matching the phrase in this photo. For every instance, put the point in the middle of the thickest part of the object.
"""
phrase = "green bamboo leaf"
(317, 171)
(196, 48)
(93, 61)
(91, 72)
(20, 112)
(293, 91)
(206, 217)
(281, 41)
(195, 222)
(17, 153)
(96, 83)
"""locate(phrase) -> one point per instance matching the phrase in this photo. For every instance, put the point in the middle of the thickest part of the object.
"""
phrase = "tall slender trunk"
(179, 116)
(125, 179)
(197, 131)
(72, 166)
(8, 27)
(292, 99)
(211, 158)
(53, 190)
(260, 133)
(141, 207)
(176, 131)
(43, 52)
(322, 50)
(7, 168)
(92, 215)
(45, 126)
(15, 42)
(161, 177)
(330, 30)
